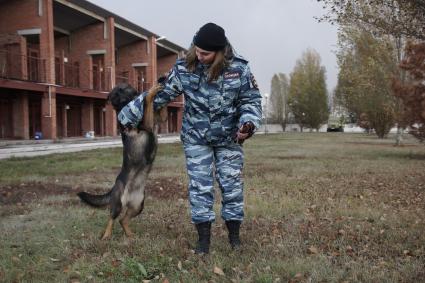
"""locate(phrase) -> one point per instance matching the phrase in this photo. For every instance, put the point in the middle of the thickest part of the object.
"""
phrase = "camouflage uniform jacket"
(213, 111)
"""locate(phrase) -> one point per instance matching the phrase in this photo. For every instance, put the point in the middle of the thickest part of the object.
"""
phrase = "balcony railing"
(122, 77)
(142, 86)
(70, 74)
(67, 74)
(101, 79)
(139, 84)
(22, 67)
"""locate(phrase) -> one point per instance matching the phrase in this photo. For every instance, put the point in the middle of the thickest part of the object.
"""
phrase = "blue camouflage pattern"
(228, 171)
(132, 113)
(213, 113)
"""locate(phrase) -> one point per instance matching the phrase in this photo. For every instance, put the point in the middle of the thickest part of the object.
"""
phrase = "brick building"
(60, 58)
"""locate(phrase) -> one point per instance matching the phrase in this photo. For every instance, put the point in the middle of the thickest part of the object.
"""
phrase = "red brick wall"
(12, 19)
(82, 40)
(23, 14)
(110, 52)
(87, 119)
(129, 54)
(21, 117)
(61, 44)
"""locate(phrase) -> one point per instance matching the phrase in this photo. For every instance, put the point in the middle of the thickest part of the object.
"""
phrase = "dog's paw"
(152, 92)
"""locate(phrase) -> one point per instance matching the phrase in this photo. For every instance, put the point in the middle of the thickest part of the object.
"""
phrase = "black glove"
(245, 132)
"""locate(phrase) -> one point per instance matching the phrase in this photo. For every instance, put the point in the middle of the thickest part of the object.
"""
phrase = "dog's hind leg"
(124, 224)
(108, 231)
(116, 207)
(130, 213)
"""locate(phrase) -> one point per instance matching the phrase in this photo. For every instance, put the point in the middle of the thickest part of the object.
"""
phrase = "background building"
(60, 58)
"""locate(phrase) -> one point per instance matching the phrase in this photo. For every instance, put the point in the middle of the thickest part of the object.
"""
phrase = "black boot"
(204, 234)
(233, 227)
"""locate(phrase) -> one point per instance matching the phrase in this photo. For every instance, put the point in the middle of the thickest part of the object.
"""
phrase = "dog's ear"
(121, 95)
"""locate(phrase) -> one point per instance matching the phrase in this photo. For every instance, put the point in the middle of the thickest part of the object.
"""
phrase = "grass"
(319, 208)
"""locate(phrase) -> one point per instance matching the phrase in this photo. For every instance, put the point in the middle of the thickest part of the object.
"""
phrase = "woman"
(222, 109)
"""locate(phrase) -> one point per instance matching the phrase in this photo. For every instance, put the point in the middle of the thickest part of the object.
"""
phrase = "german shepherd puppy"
(126, 198)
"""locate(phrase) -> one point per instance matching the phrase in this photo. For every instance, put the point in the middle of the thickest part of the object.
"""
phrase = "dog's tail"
(95, 200)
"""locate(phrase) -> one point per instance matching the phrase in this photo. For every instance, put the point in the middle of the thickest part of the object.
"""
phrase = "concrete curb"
(37, 149)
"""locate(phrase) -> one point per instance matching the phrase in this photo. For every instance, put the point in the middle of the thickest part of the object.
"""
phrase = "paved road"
(34, 149)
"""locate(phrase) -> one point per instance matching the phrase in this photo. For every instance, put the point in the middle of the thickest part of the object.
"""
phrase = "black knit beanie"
(210, 37)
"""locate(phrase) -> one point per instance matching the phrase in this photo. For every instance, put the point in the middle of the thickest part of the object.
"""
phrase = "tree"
(367, 65)
(398, 18)
(307, 91)
(394, 19)
(278, 99)
(412, 91)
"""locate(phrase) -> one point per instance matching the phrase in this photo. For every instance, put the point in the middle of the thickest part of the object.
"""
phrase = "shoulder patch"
(253, 82)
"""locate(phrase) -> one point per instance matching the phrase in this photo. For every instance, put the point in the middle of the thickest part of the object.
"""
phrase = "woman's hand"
(245, 132)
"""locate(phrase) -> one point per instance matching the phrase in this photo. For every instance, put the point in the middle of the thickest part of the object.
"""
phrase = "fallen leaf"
(407, 252)
(115, 263)
(313, 250)
(179, 265)
(218, 271)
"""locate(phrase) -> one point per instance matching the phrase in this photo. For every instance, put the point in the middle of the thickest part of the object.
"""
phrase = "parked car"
(335, 124)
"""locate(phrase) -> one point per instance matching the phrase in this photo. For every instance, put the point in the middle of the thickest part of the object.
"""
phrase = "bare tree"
(279, 99)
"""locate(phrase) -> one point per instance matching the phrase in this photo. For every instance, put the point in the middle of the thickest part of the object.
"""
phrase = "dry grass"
(319, 208)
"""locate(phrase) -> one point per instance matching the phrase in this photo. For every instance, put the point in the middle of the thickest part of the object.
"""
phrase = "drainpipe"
(50, 97)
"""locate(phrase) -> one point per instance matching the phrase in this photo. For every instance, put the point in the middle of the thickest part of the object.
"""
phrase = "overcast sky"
(271, 34)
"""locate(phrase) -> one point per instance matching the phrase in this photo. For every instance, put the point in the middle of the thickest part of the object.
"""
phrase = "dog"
(127, 196)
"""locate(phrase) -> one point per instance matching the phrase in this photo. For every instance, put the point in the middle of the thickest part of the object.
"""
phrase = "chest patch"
(231, 75)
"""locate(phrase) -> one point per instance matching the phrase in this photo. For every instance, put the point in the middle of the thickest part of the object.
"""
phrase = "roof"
(122, 21)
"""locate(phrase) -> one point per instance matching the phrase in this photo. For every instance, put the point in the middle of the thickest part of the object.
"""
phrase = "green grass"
(319, 208)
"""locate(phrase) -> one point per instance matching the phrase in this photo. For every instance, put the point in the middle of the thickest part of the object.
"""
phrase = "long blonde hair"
(221, 60)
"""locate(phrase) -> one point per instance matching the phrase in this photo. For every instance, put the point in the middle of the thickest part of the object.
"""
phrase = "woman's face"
(205, 57)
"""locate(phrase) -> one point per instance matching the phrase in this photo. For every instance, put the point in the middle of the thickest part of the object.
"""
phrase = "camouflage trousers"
(226, 163)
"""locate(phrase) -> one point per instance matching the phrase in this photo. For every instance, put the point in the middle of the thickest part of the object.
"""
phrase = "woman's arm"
(132, 113)
(249, 100)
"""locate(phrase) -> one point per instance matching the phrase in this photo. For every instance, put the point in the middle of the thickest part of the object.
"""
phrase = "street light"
(160, 38)
(266, 97)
